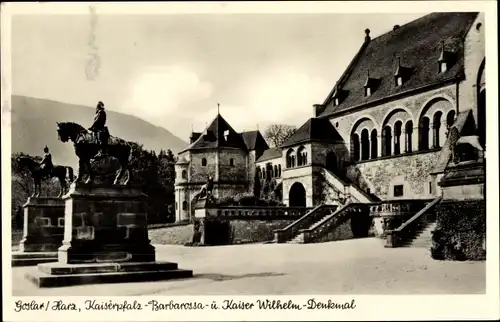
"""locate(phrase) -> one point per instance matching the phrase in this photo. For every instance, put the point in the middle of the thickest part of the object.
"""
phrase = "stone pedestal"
(105, 240)
(43, 231)
(464, 181)
(201, 215)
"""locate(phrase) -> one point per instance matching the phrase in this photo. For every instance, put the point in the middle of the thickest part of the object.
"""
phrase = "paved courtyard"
(361, 266)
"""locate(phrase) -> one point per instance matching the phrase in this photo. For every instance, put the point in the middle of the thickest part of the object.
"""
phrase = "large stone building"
(380, 134)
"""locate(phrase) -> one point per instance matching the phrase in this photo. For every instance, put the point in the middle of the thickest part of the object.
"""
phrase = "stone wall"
(235, 172)
(198, 172)
(174, 235)
(375, 117)
(255, 230)
(411, 171)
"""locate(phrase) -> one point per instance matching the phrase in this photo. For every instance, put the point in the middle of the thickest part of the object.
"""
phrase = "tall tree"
(277, 134)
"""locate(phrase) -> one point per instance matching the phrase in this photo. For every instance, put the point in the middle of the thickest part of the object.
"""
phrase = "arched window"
(204, 162)
(408, 136)
(374, 144)
(290, 159)
(301, 156)
(355, 152)
(275, 171)
(365, 145)
(397, 137)
(423, 136)
(270, 169)
(231, 162)
(279, 170)
(386, 141)
(436, 125)
(184, 205)
(184, 174)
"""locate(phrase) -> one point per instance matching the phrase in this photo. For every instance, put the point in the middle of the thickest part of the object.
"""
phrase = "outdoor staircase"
(299, 238)
(424, 237)
(416, 231)
(292, 233)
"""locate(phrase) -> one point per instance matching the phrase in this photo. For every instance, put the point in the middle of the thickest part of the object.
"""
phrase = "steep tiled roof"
(254, 140)
(270, 154)
(315, 129)
(418, 44)
(214, 137)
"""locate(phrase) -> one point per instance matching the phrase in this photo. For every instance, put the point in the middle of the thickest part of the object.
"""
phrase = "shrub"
(461, 231)
(245, 199)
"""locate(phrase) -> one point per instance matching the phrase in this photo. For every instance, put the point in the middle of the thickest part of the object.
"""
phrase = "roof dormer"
(401, 74)
(338, 96)
(370, 84)
(444, 59)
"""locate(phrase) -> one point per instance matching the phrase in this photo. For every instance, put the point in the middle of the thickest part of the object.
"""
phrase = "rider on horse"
(46, 164)
(100, 129)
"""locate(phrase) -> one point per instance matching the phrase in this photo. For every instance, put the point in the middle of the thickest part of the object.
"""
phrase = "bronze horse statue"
(86, 149)
(37, 174)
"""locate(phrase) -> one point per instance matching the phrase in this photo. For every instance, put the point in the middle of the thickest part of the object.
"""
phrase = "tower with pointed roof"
(221, 153)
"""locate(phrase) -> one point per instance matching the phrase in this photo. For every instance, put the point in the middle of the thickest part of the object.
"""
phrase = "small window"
(231, 162)
(398, 191)
(184, 174)
(60, 222)
(204, 162)
(399, 81)
(430, 187)
(184, 205)
(368, 91)
(443, 67)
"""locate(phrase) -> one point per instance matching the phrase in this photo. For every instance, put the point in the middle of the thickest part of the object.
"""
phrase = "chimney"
(395, 27)
(318, 109)
(367, 33)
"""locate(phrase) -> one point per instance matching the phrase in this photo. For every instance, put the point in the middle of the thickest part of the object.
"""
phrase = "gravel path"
(360, 266)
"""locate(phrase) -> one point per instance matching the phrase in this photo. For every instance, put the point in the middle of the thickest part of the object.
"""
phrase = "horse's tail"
(70, 173)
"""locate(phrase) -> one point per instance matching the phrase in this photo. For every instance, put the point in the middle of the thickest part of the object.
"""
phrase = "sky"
(172, 70)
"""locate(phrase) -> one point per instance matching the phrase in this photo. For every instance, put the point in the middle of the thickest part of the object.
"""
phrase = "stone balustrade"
(390, 208)
(255, 212)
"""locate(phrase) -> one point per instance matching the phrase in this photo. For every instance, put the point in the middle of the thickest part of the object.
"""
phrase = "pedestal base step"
(33, 258)
(59, 275)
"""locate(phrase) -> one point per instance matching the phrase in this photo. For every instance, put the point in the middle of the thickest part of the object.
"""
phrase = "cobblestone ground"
(361, 266)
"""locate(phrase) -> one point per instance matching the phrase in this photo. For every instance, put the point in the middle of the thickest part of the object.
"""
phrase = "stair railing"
(396, 237)
(287, 233)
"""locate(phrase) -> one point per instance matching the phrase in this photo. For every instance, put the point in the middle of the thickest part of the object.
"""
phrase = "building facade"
(382, 133)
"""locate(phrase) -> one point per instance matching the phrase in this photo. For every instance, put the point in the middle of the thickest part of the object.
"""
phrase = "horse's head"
(26, 162)
(68, 131)
(62, 132)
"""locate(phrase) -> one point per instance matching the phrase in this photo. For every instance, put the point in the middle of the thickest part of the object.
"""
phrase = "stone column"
(442, 133)
(380, 143)
(414, 139)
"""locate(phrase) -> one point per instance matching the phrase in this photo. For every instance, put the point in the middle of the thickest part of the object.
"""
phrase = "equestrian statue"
(46, 170)
(205, 190)
(96, 143)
